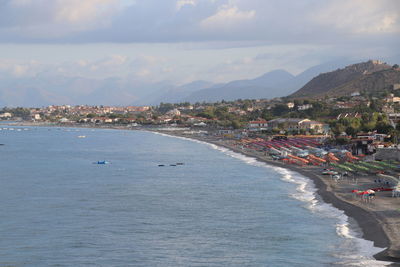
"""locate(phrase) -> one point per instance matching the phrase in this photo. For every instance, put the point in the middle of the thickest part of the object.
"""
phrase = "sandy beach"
(379, 219)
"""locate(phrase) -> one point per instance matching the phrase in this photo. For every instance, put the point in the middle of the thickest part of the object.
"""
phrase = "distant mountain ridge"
(266, 86)
(317, 81)
(372, 75)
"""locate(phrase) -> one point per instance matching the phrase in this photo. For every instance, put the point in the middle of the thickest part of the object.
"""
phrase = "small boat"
(101, 162)
(82, 136)
(161, 165)
(172, 164)
(180, 163)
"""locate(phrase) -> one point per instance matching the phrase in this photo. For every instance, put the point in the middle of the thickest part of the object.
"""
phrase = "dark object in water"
(101, 162)
(1, 144)
(172, 164)
(161, 165)
(180, 163)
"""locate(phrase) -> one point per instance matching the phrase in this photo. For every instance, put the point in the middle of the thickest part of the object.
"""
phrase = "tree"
(236, 124)
(394, 136)
(351, 130)
(383, 127)
(280, 109)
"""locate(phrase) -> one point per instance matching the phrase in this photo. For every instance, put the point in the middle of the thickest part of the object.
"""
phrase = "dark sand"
(379, 219)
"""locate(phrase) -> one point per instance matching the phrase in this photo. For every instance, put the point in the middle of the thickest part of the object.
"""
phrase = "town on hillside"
(362, 119)
(346, 137)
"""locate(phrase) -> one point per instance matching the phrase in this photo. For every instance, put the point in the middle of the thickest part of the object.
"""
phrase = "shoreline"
(371, 225)
(374, 226)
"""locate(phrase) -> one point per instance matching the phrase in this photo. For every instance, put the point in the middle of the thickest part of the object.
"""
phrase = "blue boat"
(101, 162)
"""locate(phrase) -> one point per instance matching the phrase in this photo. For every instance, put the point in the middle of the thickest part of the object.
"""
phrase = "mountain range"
(277, 83)
(322, 79)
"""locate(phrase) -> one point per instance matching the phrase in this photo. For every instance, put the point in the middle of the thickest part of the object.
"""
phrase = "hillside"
(373, 82)
(272, 84)
(347, 80)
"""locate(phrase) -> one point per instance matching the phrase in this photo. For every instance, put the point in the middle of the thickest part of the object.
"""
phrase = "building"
(290, 105)
(64, 120)
(173, 112)
(257, 125)
(294, 125)
(392, 99)
(288, 124)
(362, 145)
(304, 107)
(36, 117)
(315, 126)
(5, 115)
(387, 109)
(395, 117)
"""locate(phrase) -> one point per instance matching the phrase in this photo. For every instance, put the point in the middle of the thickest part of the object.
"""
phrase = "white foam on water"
(307, 192)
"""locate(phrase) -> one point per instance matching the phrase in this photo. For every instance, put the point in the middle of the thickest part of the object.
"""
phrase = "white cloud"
(205, 33)
(87, 11)
(142, 66)
(181, 3)
(52, 19)
(360, 16)
(130, 21)
(226, 17)
(143, 73)
(21, 3)
(19, 70)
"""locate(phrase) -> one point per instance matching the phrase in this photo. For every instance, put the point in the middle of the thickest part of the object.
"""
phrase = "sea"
(59, 207)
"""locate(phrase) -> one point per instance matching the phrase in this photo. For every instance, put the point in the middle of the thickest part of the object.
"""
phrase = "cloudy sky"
(185, 40)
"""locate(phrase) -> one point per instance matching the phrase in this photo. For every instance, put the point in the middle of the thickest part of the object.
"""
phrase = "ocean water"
(220, 208)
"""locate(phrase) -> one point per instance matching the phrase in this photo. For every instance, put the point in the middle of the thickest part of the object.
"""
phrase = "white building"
(257, 125)
(290, 105)
(173, 112)
(304, 107)
(5, 115)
